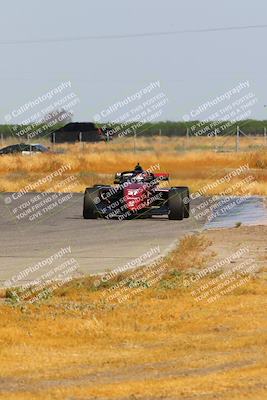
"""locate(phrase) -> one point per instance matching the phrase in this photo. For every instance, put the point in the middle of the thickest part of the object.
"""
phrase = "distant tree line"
(165, 128)
(193, 128)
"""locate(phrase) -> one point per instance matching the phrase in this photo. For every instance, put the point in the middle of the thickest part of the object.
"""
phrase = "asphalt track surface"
(96, 245)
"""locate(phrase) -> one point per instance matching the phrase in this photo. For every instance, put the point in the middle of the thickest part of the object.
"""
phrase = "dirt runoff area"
(200, 332)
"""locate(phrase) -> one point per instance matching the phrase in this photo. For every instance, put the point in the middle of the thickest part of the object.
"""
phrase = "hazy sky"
(192, 67)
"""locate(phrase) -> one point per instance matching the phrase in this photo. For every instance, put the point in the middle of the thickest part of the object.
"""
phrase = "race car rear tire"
(101, 186)
(184, 190)
(176, 205)
(89, 203)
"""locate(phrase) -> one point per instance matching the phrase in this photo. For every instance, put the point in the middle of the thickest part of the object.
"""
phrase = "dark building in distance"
(78, 132)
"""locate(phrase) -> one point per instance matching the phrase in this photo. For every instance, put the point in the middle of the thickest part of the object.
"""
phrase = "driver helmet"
(138, 168)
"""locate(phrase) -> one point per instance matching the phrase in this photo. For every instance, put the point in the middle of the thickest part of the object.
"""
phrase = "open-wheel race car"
(136, 194)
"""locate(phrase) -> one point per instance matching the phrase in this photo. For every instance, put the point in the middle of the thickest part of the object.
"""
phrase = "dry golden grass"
(159, 344)
(195, 253)
(97, 163)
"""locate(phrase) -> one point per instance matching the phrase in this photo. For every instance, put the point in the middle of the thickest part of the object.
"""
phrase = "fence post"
(2, 139)
(187, 137)
(265, 136)
(216, 141)
(237, 139)
(53, 139)
(81, 140)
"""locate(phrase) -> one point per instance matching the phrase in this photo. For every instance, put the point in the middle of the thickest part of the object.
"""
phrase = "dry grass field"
(97, 163)
(159, 344)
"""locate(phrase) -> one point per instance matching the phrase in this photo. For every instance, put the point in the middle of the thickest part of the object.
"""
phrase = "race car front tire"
(176, 205)
(184, 190)
(89, 203)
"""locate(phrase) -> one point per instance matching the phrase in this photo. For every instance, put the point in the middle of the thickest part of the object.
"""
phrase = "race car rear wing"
(162, 176)
(117, 178)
